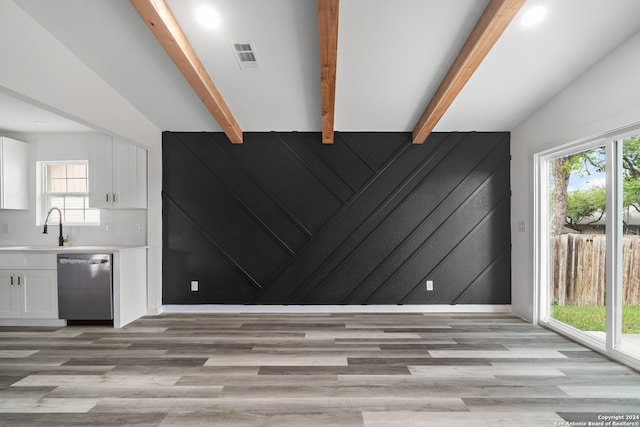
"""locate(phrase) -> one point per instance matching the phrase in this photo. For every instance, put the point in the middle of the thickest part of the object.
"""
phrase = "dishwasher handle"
(83, 261)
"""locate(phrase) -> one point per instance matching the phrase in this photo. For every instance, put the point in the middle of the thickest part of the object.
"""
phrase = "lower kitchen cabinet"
(31, 294)
(28, 286)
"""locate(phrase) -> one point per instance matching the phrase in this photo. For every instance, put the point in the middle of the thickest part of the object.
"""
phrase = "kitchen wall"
(52, 76)
(24, 228)
(605, 98)
(282, 219)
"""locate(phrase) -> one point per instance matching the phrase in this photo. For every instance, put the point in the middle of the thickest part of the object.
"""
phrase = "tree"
(560, 172)
(631, 166)
(631, 157)
(631, 191)
(572, 209)
(585, 205)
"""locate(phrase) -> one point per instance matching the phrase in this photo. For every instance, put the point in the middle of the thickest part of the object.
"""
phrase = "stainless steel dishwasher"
(85, 287)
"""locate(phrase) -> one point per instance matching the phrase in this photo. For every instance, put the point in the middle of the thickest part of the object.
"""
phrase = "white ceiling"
(21, 116)
(392, 56)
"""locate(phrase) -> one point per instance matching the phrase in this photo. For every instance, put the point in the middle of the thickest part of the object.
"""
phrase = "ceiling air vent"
(246, 56)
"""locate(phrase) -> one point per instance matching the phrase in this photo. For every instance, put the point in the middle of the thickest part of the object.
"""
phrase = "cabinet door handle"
(114, 198)
(107, 197)
(19, 280)
(12, 280)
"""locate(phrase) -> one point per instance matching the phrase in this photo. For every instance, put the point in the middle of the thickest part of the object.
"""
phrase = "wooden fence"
(579, 269)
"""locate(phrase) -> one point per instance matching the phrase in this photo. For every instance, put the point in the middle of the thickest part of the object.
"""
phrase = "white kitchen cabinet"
(129, 286)
(31, 294)
(8, 295)
(13, 174)
(34, 299)
(117, 176)
(27, 261)
(28, 287)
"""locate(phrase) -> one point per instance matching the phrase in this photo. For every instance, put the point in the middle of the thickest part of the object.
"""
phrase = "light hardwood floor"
(307, 369)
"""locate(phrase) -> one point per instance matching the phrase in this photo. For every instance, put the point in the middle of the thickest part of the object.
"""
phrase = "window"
(65, 186)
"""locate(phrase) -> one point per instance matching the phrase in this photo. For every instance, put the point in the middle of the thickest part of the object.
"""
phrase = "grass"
(590, 318)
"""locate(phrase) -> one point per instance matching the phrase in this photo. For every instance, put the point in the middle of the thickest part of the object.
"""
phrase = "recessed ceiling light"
(533, 16)
(41, 123)
(208, 17)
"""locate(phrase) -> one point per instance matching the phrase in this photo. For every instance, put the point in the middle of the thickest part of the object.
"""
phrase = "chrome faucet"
(60, 238)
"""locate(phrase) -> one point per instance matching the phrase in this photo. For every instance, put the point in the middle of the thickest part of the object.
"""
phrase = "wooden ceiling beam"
(328, 31)
(494, 20)
(158, 17)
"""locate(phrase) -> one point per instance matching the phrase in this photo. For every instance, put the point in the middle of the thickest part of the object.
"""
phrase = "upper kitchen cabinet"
(117, 176)
(13, 174)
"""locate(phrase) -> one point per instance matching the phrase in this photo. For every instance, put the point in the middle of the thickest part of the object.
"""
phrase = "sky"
(596, 179)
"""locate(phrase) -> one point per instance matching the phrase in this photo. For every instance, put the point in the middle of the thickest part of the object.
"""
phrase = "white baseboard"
(215, 308)
(33, 322)
(154, 311)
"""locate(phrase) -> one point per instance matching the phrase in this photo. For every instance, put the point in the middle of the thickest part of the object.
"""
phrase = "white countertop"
(71, 249)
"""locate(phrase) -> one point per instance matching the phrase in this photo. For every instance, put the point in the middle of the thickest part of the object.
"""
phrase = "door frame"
(610, 140)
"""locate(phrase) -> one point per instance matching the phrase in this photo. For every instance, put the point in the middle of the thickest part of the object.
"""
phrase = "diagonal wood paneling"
(283, 219)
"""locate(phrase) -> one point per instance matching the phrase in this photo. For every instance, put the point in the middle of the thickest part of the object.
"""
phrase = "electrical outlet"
(429, 285)
(194, 286)
(138, 228)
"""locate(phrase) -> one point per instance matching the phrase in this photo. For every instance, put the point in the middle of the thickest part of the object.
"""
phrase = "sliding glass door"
(588, 240)
(627, 182)
(577, 239)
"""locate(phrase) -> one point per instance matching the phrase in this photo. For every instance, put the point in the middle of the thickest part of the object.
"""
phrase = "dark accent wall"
(283, 219)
